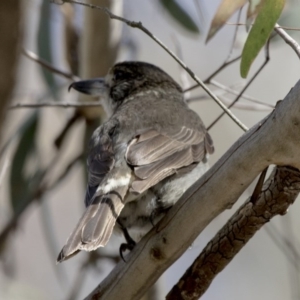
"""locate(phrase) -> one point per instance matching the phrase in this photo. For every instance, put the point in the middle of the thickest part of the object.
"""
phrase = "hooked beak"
(93, 87)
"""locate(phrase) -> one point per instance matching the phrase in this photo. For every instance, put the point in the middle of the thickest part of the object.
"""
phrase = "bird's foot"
(126, 246)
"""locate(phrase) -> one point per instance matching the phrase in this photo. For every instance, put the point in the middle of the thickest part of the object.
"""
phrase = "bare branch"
(279, 26)
(244, 96)
(55, 104)
(267, 58)
(277, 194)
(283, 34)
(140, 26)
(208, 79)
(288, 39)
(48, 66)
(238, 105)
(235, 34)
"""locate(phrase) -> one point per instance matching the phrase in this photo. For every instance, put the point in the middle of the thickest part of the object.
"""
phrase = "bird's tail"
(95, 226)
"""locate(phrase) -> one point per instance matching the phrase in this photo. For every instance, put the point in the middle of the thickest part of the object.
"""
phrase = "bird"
(150, 150)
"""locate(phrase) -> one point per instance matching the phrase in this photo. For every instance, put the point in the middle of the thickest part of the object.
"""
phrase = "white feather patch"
(114, 183)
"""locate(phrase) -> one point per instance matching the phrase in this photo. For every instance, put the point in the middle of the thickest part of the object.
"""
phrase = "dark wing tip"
(61, 257)
(209, 146)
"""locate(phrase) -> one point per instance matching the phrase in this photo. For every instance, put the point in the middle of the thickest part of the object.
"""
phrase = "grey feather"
(142, 159)
(95, 226)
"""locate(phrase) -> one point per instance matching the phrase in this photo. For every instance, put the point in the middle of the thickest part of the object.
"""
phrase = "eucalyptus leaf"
(225, 10)
(263, 26)
(180, 15)
(19, 184)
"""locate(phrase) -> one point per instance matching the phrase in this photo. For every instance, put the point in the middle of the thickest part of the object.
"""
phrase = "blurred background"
(42, 162)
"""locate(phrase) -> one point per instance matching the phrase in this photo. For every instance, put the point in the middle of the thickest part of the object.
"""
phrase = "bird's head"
(126, 79)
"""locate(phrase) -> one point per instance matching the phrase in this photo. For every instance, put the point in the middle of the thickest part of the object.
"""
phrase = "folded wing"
(156, 155)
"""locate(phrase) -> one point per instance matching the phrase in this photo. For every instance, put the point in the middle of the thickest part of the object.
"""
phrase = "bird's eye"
(120, 75)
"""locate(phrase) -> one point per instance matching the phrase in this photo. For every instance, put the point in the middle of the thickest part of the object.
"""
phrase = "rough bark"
(277, 194)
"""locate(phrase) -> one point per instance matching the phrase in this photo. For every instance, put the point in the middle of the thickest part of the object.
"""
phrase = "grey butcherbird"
(151, 149)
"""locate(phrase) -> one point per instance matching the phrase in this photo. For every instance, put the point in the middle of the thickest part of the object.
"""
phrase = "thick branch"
(275, 140)
(280, 191)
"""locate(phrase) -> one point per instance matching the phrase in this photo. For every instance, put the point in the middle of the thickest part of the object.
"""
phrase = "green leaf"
(180, 15)
(19, 184)
(225, 10)
(44, 46)
(253, 9)
(265, 21)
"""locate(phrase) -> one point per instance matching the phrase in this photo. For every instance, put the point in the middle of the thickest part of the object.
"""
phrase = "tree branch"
(48, 66)
(55, 104)
(288, 39)
(238, 105)
(254, 151)
(277, 194)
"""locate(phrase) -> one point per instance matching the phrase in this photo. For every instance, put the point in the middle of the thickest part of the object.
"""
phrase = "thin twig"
(279, 26)
(226, 62)
(55, 104)
(48, 66)
(238, 105)
(234, 35)
(234, 92)
(267, 58)
(140, 26)
(208, 79)
(288, 39)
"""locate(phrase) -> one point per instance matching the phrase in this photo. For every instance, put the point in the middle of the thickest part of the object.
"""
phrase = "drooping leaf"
(225, 10)
(19, 184)
(44, 45)
(180, 15)
(265, 21)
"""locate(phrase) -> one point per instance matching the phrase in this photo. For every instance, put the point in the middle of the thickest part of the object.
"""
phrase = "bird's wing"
(103, 205)
(100, 161)
(156, 155)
